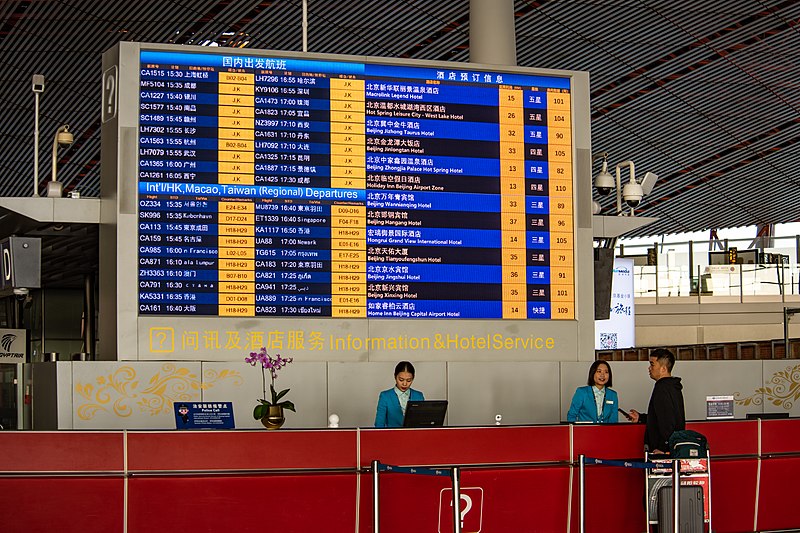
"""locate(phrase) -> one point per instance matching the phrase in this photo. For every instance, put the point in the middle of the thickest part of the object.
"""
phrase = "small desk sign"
(719, 407)
(204, 415)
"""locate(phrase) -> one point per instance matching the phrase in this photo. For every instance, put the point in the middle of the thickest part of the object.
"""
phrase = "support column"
(492, 36)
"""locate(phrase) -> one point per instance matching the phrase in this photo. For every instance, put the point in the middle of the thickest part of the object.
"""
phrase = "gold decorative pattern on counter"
(782, 390)
(121, 392)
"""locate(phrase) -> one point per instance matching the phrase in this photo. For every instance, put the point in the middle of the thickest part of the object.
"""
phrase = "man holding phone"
(665, 413)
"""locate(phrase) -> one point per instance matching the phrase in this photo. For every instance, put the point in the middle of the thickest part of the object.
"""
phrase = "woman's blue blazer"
(389, 413)
(584, 409)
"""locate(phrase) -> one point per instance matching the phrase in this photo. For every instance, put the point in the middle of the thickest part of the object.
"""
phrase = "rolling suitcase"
(690, 508)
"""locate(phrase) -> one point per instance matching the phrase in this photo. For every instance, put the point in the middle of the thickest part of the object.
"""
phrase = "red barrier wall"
(777, 502)
(45, 503)
(216, 481)
(242, 503)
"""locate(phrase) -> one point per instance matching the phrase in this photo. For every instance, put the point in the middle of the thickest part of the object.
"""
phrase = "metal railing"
(453, 471)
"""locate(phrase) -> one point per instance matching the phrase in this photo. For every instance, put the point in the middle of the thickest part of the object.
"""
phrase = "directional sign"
(110, 94)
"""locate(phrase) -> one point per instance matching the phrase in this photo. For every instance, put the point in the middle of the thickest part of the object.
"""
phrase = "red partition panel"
(242, 503)
(777, 502)
(464, 446)
(526, 499)
(777, 499)
(519, 499)
(407, 502)
(62, 451)
(64, 504)
(241, 450)
(780, 436)
(729, 437)
(733, 494)
(614, 499)
(608, 484)
(609, 441)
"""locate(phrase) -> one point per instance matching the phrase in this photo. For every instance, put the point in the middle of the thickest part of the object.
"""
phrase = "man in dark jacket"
(665, 412)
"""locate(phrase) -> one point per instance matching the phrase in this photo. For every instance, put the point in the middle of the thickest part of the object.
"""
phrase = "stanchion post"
(647, 491)
(581, 473)
(456, 500)
(676, 498)
(376, 506)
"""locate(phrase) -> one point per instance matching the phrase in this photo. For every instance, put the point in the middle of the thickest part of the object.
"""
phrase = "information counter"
(515, 478)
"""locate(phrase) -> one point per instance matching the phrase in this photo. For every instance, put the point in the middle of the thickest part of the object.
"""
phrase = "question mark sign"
(111, 84)
(162, 338)
(109, 94)
(467, 507)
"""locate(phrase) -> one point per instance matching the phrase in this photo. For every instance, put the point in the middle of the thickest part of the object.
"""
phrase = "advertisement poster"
(618, 331)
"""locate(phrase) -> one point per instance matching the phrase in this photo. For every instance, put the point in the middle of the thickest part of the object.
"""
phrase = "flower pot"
(274, 418)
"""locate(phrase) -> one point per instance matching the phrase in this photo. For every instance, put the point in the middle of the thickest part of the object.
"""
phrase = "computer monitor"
(753, 416)
(425, 414)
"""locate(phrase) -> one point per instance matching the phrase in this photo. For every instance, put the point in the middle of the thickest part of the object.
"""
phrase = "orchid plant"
(272, 365)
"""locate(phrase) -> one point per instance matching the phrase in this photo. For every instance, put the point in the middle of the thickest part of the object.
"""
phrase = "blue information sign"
(204, 415)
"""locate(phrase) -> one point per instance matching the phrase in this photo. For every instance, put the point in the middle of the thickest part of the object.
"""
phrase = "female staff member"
(392, 402)
(596, 402)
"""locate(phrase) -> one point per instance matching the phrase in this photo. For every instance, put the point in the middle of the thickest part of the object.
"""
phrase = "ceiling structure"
(706, 94)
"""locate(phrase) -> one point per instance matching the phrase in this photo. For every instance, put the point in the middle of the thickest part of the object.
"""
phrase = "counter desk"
(515, 478)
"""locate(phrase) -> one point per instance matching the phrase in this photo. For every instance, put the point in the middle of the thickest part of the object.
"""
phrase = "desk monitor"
(425, 414)
(753, 416)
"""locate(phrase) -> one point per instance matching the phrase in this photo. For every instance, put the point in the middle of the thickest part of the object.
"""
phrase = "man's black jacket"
(665, 413)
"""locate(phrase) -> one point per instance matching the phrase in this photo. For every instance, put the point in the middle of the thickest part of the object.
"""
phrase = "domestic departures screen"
(290, 187)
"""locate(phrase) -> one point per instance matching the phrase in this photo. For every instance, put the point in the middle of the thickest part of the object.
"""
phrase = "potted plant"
(270, 412)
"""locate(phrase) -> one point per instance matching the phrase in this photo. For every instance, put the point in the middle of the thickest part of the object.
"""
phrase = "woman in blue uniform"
(596, 402)
(392, 402)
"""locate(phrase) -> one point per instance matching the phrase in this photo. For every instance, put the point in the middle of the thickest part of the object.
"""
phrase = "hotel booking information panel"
(288, 187)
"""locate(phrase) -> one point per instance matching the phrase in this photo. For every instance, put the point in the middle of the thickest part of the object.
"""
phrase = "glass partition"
(730, 270)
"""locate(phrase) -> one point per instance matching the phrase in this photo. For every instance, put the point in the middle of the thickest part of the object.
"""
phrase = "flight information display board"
(293, 187)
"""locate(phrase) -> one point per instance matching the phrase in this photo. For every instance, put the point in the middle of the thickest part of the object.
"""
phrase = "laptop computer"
(425, 414)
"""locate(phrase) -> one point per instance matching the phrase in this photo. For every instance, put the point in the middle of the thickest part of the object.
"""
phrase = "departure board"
(291, 187)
